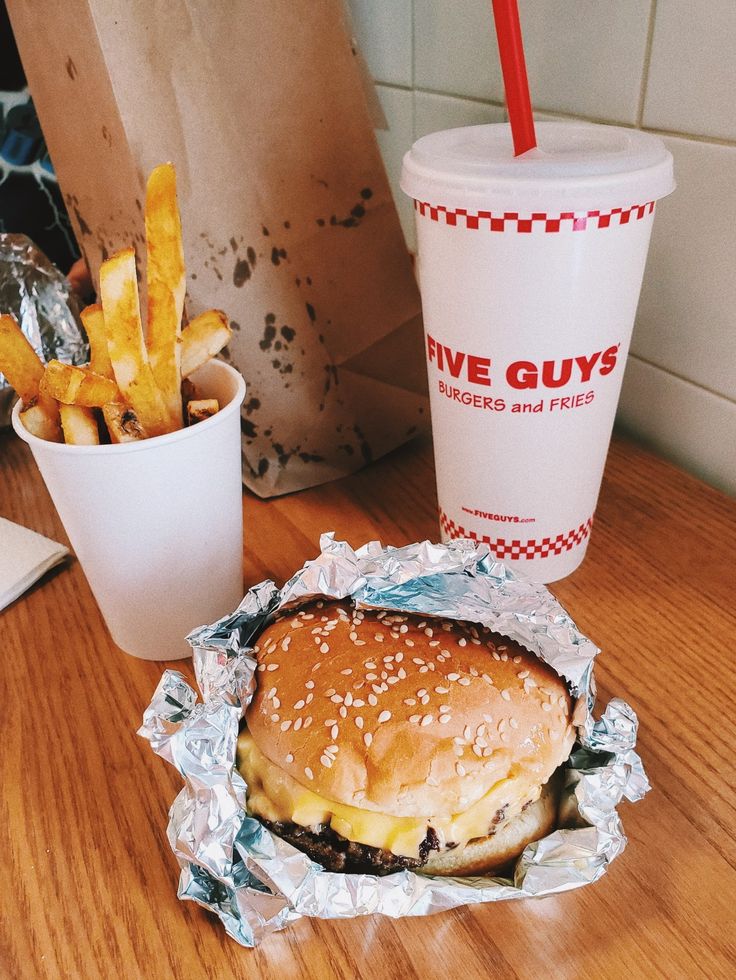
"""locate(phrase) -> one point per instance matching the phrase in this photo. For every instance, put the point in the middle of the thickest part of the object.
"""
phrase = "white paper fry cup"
(157, 524)
(530, 270)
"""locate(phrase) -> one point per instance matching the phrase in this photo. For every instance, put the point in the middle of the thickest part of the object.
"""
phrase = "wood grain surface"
(89, 882)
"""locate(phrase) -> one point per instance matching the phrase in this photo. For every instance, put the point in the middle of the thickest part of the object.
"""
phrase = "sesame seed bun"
(409, 717)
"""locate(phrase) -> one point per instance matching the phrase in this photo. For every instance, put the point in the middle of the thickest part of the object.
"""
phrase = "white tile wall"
(583, 56)
(433, 112)
(384, 31)
(666, 65)
(687, 312)
(691, 426)
(692, 74)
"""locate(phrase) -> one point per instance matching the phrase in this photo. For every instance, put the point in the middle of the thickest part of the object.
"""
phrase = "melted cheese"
(277, 797)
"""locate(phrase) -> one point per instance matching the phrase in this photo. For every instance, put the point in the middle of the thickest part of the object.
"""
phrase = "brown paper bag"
(288, 220)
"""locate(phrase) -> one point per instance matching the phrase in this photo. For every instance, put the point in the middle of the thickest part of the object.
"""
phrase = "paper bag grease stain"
(288, 219)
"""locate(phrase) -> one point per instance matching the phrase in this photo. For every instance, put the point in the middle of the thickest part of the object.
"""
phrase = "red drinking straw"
(515, 82)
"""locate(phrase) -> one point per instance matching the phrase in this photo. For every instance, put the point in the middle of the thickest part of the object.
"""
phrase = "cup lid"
(576, 165)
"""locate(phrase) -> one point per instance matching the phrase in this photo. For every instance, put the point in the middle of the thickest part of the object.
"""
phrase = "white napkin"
(24, 557)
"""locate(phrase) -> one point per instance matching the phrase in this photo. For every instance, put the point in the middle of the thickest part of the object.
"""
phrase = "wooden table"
(89, 888)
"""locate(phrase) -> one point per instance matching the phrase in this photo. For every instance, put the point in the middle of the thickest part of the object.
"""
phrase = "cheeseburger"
(378, 741)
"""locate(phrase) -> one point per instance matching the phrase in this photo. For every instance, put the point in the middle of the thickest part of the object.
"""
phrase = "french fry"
(130, 364)
(122, 423)
(77, 385)
(200, 409)
(41, 418)
(166, 281)
(24, 369)
(19, 362)
(79, 425)
(94, 324)
(202, 338)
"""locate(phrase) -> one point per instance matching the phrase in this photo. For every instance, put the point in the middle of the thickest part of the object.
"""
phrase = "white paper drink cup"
(530, 270)
(157, 524)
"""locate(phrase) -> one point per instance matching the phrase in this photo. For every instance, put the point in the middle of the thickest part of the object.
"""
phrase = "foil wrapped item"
(41, 300)
(256, 882)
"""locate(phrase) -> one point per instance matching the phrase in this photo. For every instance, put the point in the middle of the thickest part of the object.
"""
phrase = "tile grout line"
(646, 65)
(683, 379)
(676, 134)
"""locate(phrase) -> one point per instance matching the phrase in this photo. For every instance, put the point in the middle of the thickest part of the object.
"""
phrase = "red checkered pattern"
(511, 221)
(516, 548)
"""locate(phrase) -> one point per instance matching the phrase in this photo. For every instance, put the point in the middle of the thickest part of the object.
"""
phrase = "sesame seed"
(414, 719)
(427, 720)
(401, 674)
(417, 660)
(285, 726)
(462, 642)
(475, 641)
(307, 722)
(358, 722)
(399, 657)
(308, 773)
(504, 736)
(444, 709)
(275, 718)
(337, 698)
(376, 689)
(467, 733)
(505, 695)
(460, 769)
(309, 698)
(348, 699)
(384, 675)
(289, 757)
(496, 656)
(517, 660)
(488, 718)
(403, 629)
(432, 781)
(410, 701)
(378, 638)
(343, 712)
(546, 706)
(358, 703)
(298, 724)
(487, 679)
(513, 722)
(317, 666)
(465, 681)
(276, 703)
(384, 716)
(347, 671)
(261, 667)
(423, 670)
(370, 666)
(371, 677)
(473, 672)
(372, 700)
(285, 643)
(458, 750)
(425, 699)
(453, 677)
(309, 685)
(353, 635)
(324, 648)
(478, 750)
(299, 704)
(329, 692)
(368, 738)
(409, 643)
(429, 631)
(444, 719)
(389, 659)
(334, 731)
(332, 749)
(434, 643)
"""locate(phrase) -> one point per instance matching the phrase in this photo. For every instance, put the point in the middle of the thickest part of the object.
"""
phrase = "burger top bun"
(405, 715)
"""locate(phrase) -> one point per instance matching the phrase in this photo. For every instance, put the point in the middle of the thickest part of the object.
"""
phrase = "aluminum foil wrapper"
(40, 298)
(256, 882)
